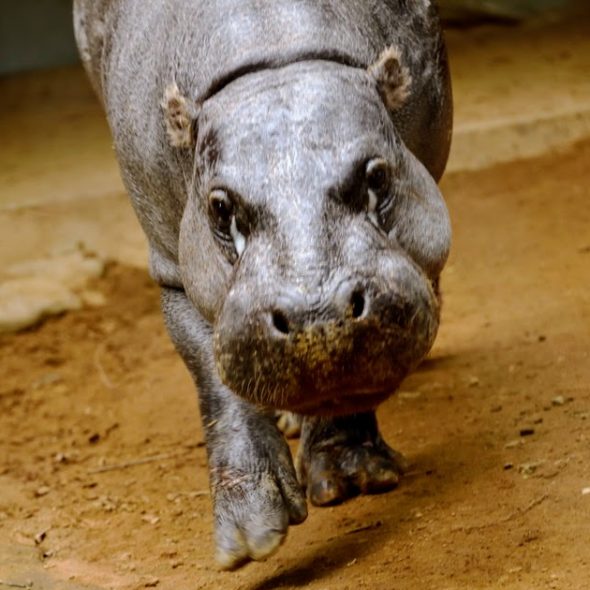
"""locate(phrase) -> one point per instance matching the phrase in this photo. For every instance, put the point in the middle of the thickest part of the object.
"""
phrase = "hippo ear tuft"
(392, 78)
(179, 116)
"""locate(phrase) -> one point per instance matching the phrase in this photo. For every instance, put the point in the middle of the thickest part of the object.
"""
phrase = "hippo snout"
(342, 349)
(293, 314)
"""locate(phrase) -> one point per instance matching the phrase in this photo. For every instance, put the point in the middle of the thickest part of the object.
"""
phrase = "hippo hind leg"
(345, 456)
(289, 423)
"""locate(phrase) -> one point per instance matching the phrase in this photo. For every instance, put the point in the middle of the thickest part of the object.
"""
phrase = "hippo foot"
(342, 457)
(289, 424)
(254, 503)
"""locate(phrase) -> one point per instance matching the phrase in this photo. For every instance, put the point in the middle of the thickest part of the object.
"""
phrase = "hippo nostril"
(357, 304)
(280, 322)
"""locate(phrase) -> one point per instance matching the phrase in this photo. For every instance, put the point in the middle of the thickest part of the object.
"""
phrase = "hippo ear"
(180, 117)
(393, 80)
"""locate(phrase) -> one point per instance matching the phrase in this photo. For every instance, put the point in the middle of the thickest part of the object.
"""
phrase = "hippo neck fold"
(337, 57)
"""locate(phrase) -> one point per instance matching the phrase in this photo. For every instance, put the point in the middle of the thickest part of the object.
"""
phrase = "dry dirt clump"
(35, 289)
(103, 479)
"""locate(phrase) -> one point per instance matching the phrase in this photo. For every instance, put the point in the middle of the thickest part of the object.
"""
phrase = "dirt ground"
(103, 479)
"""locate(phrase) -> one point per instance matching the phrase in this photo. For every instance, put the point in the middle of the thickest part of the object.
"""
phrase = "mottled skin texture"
(293, 275)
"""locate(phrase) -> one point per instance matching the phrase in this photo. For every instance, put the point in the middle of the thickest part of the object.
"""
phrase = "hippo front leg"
(253, 483)
(341, 457)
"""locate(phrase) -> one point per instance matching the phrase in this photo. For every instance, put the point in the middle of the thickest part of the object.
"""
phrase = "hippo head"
(313, 239)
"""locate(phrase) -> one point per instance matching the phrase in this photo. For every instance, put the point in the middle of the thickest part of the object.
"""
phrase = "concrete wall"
(35, 34)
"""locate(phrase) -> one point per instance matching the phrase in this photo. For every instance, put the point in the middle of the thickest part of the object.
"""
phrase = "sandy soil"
(103, 478)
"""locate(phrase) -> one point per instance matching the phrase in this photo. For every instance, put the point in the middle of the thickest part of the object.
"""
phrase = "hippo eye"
(221, 209)
(227, 227)
(377, 178)
(377, 174)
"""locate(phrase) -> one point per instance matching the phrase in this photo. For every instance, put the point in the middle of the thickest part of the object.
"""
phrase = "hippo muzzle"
(343, 349)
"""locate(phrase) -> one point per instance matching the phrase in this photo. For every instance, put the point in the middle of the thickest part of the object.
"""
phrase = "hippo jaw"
(318, 273)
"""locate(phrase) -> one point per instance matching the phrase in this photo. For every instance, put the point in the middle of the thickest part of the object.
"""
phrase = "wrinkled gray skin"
(320, 303)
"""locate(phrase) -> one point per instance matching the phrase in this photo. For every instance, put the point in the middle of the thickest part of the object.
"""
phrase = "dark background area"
(36, 34)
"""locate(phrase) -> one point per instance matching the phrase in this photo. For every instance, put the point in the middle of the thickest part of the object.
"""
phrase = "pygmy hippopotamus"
(282, 157)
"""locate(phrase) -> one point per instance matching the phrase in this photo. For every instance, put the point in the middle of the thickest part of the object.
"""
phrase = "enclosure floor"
(495, 423)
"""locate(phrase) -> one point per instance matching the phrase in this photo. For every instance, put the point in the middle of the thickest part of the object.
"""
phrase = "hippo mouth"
(339, 404)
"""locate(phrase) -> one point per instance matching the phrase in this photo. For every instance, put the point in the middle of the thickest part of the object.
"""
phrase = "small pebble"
(47, 379)
(150, 518)
(558, 400)
(42, 491)
(508, 466)
(93, 298)
(526, 431)
(473, 381)
(528, 469)
(585, 491)
(409, 394)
